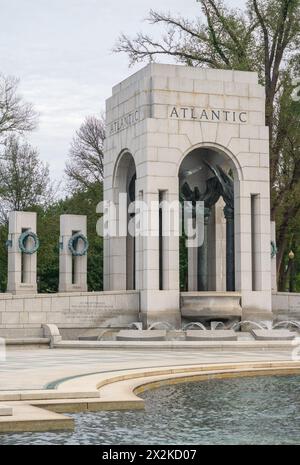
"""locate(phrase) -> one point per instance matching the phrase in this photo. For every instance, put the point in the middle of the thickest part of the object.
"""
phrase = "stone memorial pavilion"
(192, 146)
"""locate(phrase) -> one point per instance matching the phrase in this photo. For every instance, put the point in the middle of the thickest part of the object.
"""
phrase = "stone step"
(211, 335)
(27, 341)
(5, 411)
(142, 335)
(273, 334)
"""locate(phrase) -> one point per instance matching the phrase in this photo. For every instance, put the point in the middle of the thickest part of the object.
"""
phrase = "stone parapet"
(24, 315)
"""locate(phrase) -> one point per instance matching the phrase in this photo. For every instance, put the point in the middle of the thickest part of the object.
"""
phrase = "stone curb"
(118, 391)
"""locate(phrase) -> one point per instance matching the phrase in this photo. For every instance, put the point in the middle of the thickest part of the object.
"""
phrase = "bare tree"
(253, 40)
(24, 178)
(264, 37)
(85, 166)
(194, 43)
(16, 116)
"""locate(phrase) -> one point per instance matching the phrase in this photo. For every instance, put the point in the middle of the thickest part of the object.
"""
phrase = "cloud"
(61, 50)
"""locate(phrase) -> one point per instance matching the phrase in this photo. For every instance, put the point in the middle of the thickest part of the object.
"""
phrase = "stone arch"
(124, 177)
(211, 267)
(219, 148)
(123, 164)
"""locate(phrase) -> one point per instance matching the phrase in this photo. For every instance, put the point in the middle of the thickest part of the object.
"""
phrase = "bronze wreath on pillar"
(72, 245)
(23, 239)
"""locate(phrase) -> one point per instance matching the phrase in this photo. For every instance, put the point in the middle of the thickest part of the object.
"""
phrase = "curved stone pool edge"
(42, 410)
(215, 376)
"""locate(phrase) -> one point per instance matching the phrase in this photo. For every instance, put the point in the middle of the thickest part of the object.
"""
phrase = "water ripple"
(233, 411)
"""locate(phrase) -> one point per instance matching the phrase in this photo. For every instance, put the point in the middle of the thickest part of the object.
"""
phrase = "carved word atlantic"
(202, 114)
(124, 122)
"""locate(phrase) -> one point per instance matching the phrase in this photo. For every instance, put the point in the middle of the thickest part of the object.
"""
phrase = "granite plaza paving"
(35, 369)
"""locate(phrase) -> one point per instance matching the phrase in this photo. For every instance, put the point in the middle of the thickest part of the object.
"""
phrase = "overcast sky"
(61, 51)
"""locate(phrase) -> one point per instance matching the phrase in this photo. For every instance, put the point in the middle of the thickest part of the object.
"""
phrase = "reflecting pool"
(261, 410)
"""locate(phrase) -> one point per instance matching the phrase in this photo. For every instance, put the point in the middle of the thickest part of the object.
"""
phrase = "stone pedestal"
(21, 278)
(5, 410)
(72, 269)
(212, 335)
(160, 306)
(257, 316)
(210, 306)
(217, 249)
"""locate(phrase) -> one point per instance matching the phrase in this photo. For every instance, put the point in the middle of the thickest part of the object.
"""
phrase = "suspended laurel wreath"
(23, 242)
(274, 250)
(73, 242)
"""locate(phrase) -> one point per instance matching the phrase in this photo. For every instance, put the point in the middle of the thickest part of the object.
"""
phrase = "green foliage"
(183, 264)
(290, 275)
(24, 178)
(80, 203)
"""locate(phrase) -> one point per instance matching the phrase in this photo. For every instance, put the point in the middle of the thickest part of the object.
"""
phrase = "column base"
(265, 317)
(22, 289)
(160, 307)
(257, 307)
(72, 288)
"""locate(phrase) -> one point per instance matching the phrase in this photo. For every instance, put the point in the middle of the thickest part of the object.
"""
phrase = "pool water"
(261, 410)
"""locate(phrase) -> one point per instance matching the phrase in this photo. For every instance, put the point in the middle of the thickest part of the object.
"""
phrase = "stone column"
(72, 269)
(170, 241)
(151, 242)
(202, 256)
(192, 269)
(139, 266)
(253, 264)
(156, 304)
(21, 277)
(116, 243)
(217, 248)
